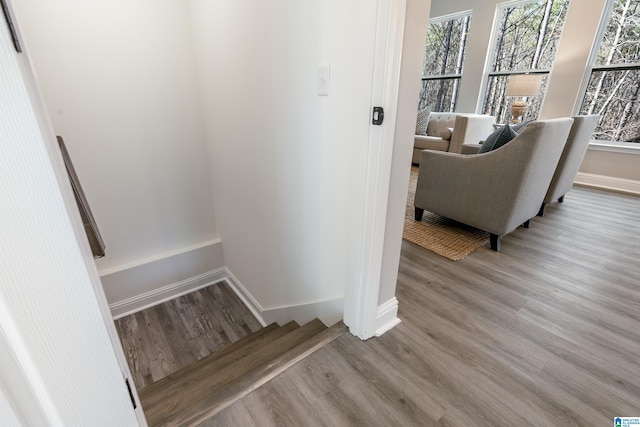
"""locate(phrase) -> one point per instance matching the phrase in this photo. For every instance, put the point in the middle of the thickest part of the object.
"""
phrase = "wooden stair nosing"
(197, 392)
(263, 374)
(192, 385)
(175, 403)
(215, 361)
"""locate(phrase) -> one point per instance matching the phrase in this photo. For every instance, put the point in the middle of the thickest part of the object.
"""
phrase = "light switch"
(324, 79)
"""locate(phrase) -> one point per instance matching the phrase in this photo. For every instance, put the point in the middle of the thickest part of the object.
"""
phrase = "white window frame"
(492, 51)
(603, 145)
(456, 76)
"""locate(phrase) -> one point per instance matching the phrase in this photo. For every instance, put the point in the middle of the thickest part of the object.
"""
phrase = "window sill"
(627, 148)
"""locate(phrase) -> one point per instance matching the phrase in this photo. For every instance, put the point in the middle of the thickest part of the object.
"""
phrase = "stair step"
(264, 373)
(214, 362)
(200, 393)
(180, 398)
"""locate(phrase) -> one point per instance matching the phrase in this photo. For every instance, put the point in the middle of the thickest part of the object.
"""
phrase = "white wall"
(119, 81)
(580, 31)
(565, 81)
(286, 163)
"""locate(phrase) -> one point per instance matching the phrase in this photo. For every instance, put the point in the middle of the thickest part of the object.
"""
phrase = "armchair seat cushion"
(425, 142)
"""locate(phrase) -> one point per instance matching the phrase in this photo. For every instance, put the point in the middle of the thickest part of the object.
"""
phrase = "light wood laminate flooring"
(544, 333)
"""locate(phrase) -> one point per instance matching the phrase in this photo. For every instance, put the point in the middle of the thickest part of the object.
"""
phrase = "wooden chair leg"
(418, 214)
(527, 223)
(495, 242)
(541, 211)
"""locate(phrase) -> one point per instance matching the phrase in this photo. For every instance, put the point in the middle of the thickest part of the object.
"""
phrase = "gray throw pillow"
(519, 127)
(497, 139)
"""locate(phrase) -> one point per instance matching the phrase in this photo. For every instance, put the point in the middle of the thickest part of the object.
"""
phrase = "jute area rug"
(438, 234)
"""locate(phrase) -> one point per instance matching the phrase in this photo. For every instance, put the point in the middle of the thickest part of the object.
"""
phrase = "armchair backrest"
(538, 148)
(439, 122)
(495, 191)
(572, 156)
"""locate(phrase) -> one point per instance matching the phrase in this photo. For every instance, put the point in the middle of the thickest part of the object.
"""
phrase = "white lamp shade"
(524, 85)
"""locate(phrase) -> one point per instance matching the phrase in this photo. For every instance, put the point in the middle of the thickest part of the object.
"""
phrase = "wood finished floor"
(544, 333)
(162, 339)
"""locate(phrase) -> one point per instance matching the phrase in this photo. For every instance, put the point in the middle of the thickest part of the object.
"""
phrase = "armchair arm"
(480, 190)
(465, 188)
(470, 129)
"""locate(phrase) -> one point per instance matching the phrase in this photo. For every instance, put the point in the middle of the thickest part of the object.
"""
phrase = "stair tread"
(262, 374)
(197, 394)
(177, 383)
(217, 361)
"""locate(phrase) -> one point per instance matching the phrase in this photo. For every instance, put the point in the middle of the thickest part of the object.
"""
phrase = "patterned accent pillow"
(422, 121)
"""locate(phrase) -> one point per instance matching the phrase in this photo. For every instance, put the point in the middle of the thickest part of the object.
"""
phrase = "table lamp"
(522, 85)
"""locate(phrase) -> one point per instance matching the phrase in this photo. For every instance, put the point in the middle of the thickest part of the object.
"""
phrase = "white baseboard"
(254, 306)
(158, 296)
(135, 286)
(387, 316)
(609, 183)
(329, 312)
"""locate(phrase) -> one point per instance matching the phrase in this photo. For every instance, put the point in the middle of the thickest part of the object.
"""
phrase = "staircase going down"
(199, 391)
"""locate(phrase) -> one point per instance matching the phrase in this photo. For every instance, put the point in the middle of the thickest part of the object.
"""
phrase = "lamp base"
(518, 107)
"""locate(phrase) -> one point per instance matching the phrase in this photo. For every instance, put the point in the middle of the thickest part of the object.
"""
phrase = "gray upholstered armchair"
(571, 159)
(495, 191)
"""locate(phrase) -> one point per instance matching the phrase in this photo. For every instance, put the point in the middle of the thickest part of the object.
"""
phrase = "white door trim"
(361, 299)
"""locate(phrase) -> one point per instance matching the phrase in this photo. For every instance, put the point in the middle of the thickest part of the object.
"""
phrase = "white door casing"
(361, 297)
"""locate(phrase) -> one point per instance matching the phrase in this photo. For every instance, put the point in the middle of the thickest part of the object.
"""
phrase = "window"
(526, 37)
(442, 65)
(614, 84)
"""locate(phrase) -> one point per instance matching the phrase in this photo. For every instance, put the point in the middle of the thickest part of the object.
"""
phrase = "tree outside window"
(614, 84)
(443, 59)
(526, 39)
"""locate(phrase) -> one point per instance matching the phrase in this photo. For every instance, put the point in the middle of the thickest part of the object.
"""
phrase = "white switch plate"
(324, 79)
